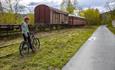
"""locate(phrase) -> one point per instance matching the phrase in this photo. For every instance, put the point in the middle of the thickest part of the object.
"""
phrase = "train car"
(48, 16)
(76, 21)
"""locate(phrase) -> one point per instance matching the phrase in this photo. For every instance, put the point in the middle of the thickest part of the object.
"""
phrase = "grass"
(112, 29)
(56, 50)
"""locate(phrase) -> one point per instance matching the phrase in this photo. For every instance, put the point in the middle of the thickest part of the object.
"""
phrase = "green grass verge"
(112, 29)
(55, 51)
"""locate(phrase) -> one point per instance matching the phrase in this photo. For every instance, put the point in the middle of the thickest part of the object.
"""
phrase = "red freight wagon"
(45, 15)
(76, 21)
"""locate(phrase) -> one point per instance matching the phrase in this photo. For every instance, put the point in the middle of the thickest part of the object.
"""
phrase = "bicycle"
(24, 47)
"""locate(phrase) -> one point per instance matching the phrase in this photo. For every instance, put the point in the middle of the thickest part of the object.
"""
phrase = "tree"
(92, 16)
(21, 8)
(31, 16)
(113, 14)
(12, 8)
(75, 3)
(64, 5)
(70, 7)
(106, 19)
(11, 5)
(1, 8)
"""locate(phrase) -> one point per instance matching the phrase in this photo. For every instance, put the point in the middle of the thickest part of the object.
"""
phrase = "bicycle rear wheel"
(24, 48)
(36, 43)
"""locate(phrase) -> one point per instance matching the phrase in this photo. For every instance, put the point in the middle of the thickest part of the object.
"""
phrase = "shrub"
(106, 19)
(92, 16)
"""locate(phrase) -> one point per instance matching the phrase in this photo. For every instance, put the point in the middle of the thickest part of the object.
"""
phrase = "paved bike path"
(98, 53)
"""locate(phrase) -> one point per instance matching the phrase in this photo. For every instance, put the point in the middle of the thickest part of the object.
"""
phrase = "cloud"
(31, 6)
(100, 4)
(91, 3)
(41, 1)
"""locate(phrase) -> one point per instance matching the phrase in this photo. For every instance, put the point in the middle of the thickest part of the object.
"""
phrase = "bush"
(31, 16)
(92, 16)
(106, 19)
(11, 18)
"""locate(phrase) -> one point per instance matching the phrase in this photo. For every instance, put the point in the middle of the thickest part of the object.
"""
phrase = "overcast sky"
(100, 4)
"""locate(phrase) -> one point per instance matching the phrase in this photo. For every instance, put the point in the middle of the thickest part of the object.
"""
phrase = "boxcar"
(45, 15)
(76, 21)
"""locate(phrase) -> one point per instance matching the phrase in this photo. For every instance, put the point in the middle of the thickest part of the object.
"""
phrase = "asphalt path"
(98, 53)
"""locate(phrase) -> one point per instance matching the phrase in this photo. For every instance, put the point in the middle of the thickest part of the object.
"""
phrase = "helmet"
(26, 18)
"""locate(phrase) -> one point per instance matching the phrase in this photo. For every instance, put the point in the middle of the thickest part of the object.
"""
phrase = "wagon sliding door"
(47, 15)
(57, 18)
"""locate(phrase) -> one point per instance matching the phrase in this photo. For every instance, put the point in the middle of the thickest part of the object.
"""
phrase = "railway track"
(6, 43)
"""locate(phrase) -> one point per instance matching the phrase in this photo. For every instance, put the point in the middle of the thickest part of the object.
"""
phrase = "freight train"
(46, 16)
(49, 18)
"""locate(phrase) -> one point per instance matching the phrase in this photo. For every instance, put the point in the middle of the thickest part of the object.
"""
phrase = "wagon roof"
(57, 10)
(53, 9)
(77, 16)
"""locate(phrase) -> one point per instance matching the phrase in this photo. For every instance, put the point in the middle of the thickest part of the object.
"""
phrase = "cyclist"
(25, 31)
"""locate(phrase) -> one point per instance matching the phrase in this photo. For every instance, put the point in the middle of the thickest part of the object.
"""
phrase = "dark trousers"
(28, 40)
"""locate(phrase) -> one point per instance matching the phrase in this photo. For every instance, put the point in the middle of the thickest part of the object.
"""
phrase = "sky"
(84, 4)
